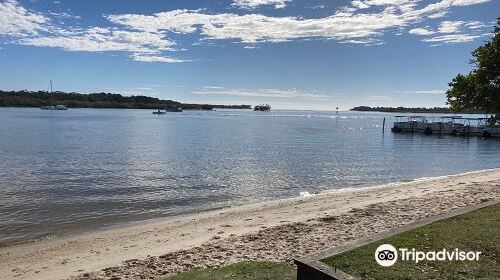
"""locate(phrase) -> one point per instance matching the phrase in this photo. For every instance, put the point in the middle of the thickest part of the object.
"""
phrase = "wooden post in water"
(383, 126)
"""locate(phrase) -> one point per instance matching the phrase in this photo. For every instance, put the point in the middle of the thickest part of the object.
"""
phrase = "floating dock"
(445, 125)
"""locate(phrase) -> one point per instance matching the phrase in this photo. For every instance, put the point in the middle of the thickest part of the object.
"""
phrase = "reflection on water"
(83, 168)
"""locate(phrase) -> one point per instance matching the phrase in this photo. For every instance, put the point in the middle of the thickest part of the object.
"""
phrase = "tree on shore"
(480, 88)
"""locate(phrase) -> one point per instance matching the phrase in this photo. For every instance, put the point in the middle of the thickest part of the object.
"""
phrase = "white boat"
(407, 123)
(456, 125)
(173, 109)
(443, 125)
(56, 108)
(485, 130)
(52, 107)
(159, 112)
(471, 126)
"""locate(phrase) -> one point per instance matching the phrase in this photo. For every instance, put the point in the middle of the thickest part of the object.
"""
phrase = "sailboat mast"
(50, 92)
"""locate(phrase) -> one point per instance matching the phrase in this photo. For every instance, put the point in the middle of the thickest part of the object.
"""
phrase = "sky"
(316, 54)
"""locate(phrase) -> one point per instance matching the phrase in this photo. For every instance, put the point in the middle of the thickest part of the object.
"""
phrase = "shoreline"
(90, 252)
(160, 220)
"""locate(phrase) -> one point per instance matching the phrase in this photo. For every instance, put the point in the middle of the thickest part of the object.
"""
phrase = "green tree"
(480, 89)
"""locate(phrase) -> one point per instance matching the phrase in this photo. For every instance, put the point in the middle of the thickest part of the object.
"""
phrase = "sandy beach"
(277, 231)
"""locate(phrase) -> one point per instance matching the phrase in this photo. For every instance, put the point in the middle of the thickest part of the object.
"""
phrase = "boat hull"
(411, 126)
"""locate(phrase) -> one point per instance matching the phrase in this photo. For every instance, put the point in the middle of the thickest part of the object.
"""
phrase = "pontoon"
(407, 123)
(484, 130)
(443, 125)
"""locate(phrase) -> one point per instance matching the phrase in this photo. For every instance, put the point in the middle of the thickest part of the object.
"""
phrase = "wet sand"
(276, 231)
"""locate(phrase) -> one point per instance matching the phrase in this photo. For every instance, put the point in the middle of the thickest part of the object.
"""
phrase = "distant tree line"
(443, 110)
(26, 98)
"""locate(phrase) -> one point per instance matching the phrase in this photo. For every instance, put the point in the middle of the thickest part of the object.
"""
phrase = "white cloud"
(450, 26)
(148, 37)
(452, 38)
(252, 4)
(365, 41)
(18, 21)
(254, 28)
(359, 4)
(432, 91)
(64, 15)
(452, 31)
(316, 7)
(421, 31)
(34, 29)
(475, 24)
(438, 14)
(155, 58)
(97, 39)
(345, 25)
(444, 5)
(378, 97)
(273, 93)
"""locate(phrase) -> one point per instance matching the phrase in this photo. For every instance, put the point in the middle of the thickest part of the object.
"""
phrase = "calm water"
(64, 172)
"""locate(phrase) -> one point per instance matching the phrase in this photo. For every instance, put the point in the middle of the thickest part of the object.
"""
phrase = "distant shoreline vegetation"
(444, 110)
(26, 98)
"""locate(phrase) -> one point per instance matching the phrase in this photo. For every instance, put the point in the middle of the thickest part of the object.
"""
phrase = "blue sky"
(288, 53)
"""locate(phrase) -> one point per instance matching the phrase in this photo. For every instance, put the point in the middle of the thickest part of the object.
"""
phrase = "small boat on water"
(443, 125)
(56, 108)
(447, 125)
(485, 130)
(52, 107)
(408, 123)
(168, 109)
(456, 125)
(159, 112)
(173, 109)
(262, 107)
(472, 126)
(490, 131)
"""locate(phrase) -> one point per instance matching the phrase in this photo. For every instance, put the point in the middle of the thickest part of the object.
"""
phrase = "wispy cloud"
(15, 20)
(421, 31)
(344, 25)
(452, 32)
(452, 38)
(64, 15)
(155, 58)
(475, 24)
(97, 39)
(432, 91)
(150, 38)
(252, 4)
(450, 26)
(272, 93)
(378, 98)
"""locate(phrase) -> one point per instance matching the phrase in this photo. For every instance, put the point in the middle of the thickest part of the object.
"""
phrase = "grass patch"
(248, 270)
(475, 231)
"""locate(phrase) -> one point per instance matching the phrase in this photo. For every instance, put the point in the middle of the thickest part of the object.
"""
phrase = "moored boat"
(52, 107)
(262, 107)
(485, 130)
(443, 125)
(407, 123)
(173, 109)
(490, 131)
(159, 112)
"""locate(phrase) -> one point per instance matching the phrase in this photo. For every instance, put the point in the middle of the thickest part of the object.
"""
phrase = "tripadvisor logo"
(387, 255)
